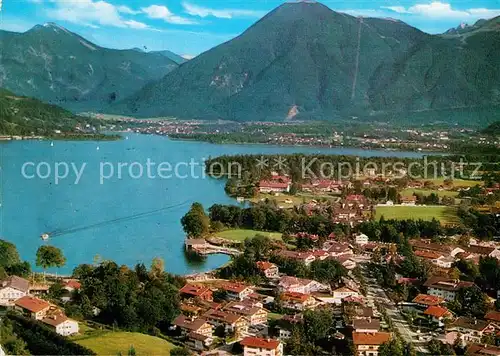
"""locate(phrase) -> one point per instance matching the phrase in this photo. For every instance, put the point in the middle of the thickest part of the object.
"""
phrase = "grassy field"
(444, 193)
(112, 343)
(239, 235)
(445, 214)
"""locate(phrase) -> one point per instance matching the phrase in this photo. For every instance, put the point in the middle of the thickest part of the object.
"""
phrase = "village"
(364, 280)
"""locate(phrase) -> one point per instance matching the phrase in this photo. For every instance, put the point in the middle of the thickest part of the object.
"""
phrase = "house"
(274, 186)
(471, 329)
(237, 291)
(300, 285)
(255, 315)
(39, 289)
(71, 285)
(346, 261)
(426, 300)
(306, 257)
(343, 292)
(336, 249)
(409, 200)
(232, 323)
(196, 291)
(361, 239)
(298, 301)
(199, 342)
(482, 350)
(367, 344)
(33, 307)
(195, 244)
(270, 270)
(487, 251)
(444, 262)
(438, 314)
(428, 255)
(445, 250)
(445, 288)
(366, 325)
(353, 199)
(190, 324)
(256, 346)
(61, 324)
(13, 288)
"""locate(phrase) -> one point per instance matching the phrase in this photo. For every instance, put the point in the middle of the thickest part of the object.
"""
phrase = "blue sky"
(189, 27)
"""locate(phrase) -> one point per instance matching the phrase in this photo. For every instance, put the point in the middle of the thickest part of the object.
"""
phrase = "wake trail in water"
(57, 233)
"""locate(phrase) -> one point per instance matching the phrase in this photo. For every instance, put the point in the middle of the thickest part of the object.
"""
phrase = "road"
(376, 294)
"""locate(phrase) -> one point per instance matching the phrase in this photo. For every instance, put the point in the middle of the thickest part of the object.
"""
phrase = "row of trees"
(484, 226)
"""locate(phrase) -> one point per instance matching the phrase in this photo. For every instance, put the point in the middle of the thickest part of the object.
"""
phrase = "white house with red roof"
(33, 307)
(253, 346)
(270, 270)
(61, 324)
(300, 285)
(237, 291)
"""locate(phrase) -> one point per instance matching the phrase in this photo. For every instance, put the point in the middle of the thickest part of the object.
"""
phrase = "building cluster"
(19, 294)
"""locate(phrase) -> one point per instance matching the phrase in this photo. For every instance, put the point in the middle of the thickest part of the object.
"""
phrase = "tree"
(196, 222)
(49, 256)
(470, 301)
(327, 271)
(131, 351)
(394, 347)
(317, 324)
(8, 254)
(157, 267)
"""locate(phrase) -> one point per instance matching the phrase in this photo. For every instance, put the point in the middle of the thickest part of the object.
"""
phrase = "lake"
(127, 218)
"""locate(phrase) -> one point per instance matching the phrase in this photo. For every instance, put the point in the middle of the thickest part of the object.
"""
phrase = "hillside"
(304, 61)
(60, 67)
(23, 116)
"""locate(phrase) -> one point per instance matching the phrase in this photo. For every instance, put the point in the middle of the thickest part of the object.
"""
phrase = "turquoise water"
(33, 206)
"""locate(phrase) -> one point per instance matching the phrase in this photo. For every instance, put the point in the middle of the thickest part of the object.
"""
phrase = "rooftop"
(471, 323)
(427, 299)
(436, 311)
(17, 283)
(257, 342)
(377, 338)
(55, 319)
(32, 304)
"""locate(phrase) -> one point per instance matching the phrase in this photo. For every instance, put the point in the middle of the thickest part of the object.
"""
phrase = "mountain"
(304, 57)
(60, 67)
(171, 55)
(23, 116)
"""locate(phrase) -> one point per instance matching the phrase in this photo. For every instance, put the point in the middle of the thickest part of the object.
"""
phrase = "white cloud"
(195, 10)
(127, 10)
(92, 14)
(136, 24)
(441, 10)
(163, 13)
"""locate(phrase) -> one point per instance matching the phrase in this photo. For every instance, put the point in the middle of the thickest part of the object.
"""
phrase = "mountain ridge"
(61, 67)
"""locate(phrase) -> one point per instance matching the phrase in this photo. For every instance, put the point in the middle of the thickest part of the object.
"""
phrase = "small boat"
(52, 144)
(44, 236)
(97, 148)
